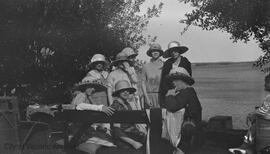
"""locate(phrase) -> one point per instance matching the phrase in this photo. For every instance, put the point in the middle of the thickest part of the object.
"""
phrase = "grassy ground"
(232, 89)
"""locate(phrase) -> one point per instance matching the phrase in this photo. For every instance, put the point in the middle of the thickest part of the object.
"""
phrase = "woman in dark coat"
(184, 96)
(177, 60)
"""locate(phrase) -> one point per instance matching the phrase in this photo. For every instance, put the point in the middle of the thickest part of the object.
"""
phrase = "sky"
(204, 46)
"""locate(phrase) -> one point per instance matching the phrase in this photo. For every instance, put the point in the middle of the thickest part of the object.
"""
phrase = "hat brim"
(133, 55)
(180, 50)
(93, 63)
(98, 87)
(189, 80)
(116, 62)
(149, 52)
(130, 90)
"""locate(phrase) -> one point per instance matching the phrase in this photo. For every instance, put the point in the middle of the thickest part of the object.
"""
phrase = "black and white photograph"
(134, 76)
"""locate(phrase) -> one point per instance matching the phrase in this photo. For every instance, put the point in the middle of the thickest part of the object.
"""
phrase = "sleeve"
(84, 106)
(195, 105)
(110, 80)
(177, 102)
(187, 65)
(79, 101)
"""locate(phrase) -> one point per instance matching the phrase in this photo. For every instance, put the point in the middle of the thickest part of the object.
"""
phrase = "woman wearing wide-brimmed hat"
(151, 73)
(84, 101)
(97, 65)
(126, 134)
(183, 96)
(174, 53)
(123, 71)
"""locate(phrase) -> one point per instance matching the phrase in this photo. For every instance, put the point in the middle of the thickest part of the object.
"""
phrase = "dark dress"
(166, 85)
(187, 98)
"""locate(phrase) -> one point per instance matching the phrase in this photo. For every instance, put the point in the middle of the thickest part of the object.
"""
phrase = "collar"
(155, 61)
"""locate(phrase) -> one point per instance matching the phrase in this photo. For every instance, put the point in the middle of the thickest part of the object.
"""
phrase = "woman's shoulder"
(79, 98)
(189, 90)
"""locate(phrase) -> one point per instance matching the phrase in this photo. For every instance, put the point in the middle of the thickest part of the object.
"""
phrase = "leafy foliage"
(47, 44)
(243, 19)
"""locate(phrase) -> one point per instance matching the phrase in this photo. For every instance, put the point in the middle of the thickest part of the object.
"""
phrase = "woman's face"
(124, 94)
(99, 66)
(175, 54)
(89, 91)
(155, 54)
(179, 84)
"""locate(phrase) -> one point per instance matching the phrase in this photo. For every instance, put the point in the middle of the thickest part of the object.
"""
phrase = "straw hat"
(154, 47)
(90, 81)
(174, 46)
(180, 73)
(129, 52)
(122, 85)
(98, 58)
(120, 57)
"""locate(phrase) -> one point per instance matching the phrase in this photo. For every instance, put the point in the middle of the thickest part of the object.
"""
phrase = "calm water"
(232, 89)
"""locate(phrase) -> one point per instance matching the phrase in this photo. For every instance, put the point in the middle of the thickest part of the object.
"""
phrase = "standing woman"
(177, 60)
(151, 73)
(184, 96)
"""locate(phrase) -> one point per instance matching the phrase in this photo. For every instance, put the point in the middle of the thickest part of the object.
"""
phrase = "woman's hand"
(148, 102)
(107, 110)
(171, 92)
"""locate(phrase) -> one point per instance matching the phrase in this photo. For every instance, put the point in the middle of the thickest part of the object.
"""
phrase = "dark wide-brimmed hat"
(154, 47)
(174, 46)
(93, 82)
(180, 73)
(122, 85)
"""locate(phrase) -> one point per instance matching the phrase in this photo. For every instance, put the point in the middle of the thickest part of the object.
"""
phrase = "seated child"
(125, 134)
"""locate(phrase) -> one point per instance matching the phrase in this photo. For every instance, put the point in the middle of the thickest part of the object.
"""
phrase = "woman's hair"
(267, 83)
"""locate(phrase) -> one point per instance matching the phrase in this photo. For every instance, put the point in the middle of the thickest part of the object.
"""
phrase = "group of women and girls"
(165, 85)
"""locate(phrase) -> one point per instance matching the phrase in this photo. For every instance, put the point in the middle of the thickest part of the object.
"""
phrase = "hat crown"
(173, 44)
(98, 57)
(120, 55)
(127, 51)
(155, 46)
(179, 70)
(122, 84)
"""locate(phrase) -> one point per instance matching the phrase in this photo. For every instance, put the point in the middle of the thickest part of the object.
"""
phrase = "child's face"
(99, 66)
(89, 91)
(124, 94)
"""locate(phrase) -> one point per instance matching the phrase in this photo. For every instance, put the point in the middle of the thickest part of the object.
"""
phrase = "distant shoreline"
(221, 63)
